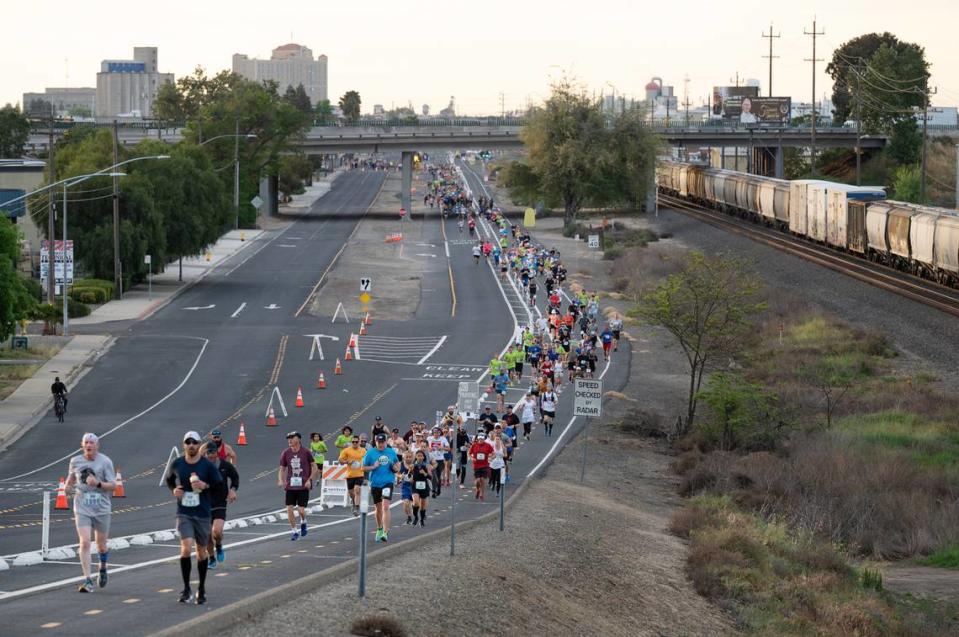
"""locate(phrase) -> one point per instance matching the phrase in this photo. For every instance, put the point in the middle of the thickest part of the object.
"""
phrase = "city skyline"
(398, 57)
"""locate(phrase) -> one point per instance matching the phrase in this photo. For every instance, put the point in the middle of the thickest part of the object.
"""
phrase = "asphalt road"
(200, 368)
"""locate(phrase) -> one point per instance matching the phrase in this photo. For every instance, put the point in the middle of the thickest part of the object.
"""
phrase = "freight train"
(922, 240)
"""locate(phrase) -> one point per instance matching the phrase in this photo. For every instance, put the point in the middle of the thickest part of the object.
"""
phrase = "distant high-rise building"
(450, 110)
(289, 65)
(130, 86)
(79, 102)
(426, 110)
(378, 110)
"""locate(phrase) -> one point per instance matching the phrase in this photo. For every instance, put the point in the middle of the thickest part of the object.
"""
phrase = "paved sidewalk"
(301, 204)
(32, 398)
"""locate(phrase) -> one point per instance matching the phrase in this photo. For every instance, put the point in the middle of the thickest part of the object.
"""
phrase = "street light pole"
(236, 175)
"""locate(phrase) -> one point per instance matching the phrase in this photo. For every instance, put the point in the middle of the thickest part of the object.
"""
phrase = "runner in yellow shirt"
(353, 457)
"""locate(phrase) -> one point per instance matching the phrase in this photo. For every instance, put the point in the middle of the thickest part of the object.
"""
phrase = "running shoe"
(200, 598)
(385, 537)
(379, 535)
(102, 580)
(185, 595)
(220, 554)
(303, 529)
(86, 586)
(409, 521)
(356, 510)
(294, 536)
(211, 562)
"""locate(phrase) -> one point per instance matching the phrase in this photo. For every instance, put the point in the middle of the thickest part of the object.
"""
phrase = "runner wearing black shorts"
(420, 477)
(221, 495)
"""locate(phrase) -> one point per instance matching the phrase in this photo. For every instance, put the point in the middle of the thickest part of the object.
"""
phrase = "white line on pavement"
(132, 418)
(238, 310)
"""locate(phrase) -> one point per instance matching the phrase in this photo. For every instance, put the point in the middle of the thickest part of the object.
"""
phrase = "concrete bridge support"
(407, 180)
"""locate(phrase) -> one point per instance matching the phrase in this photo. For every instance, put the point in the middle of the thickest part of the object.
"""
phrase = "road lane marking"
(93, 611)
(238, 310)
(132, 600)
(50, 625)
(132, 418)
(432, 351)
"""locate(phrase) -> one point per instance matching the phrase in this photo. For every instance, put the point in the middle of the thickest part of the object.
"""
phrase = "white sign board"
(593, 240)
(588, 397)
(256, 202)
(63, 259)
(366, 284)
(147, 259)
(467, 400)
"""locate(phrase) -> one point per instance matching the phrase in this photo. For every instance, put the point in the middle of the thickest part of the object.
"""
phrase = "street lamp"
(51, 269)
(236, 168)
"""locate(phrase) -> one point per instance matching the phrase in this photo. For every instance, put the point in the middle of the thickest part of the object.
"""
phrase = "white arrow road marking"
(271, 306)
(317, 347)
(200, 307)
(426, 255)
(285, 245)
(238, 310)
(428, 245)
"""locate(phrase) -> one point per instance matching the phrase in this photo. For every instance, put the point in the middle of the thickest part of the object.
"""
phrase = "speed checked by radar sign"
(588, 397)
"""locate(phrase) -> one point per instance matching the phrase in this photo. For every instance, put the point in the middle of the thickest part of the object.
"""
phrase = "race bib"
(190, 499)
(355, 464)
(463, 448)
(481, 456)
(91, 500)
(420, 485)
(406, 478)
(296, 481)
(387, 491)
(384, 460)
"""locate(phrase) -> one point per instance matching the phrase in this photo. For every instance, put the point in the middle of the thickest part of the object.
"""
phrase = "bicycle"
(59, 407)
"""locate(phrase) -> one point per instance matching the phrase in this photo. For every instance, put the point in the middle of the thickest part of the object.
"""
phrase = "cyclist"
(59, 390)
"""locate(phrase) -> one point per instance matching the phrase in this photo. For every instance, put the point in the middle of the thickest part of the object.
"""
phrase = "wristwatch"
(99, 483)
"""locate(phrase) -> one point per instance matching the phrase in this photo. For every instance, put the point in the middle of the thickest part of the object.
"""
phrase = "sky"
(424, 52)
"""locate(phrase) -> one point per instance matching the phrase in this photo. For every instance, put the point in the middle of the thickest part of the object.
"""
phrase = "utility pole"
(236, 175)
(686, 97)
(925, 136)
(117, 280)
(736, 80)
(957, 176)
(770, 57)
(51, 226)
(858, 130)
(813, 59)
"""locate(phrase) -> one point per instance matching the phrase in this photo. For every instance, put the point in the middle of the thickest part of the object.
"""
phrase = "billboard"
(757, 110)
(722, 93)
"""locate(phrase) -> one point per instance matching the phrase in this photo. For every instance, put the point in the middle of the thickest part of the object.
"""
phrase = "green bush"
(77, 310)
(104, 287)
(87, 296)
(34, 288)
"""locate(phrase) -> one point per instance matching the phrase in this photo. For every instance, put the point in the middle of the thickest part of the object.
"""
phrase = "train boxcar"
(856, 238)
(798, 219)
(922, 235)
(774, 202)
(947, 249)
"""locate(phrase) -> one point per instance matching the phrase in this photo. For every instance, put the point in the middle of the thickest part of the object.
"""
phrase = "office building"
(289, 65)
(63, 102)
(128, 87)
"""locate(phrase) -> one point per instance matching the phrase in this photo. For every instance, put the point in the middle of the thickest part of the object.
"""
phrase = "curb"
(74, 375)
(249, 608)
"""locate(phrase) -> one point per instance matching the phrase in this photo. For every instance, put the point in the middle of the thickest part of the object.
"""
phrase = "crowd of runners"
(564, 342)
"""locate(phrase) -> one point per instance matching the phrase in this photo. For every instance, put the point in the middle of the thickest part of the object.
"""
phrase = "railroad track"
(926, 292)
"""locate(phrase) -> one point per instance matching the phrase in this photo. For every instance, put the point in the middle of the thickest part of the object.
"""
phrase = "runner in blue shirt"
(607, 338)
(382, 465)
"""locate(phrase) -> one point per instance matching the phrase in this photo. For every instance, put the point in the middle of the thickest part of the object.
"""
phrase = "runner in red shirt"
(480, 452)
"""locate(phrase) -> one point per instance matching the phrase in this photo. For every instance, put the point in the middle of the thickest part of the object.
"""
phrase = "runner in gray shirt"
(92, 478)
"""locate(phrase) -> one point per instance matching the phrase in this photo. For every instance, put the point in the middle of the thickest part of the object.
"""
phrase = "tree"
(565, 140)
(298, 99)
(324, 112)
(742, 413)
(350, 105)
(15, 300)
(522, 183)
(833, 378)
(709, 307)
(856, 51)
(633, 159)
(294, 169)
(14, 131)
(906, 184)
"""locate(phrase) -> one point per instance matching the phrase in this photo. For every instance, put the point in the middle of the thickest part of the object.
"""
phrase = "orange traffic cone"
(241, 441)
(321, 382)
(118, 490)
(362, 329)
(338, 369)
(62, 496)
(367, 320)
(299, 396)
(271, 419)
(348, 356)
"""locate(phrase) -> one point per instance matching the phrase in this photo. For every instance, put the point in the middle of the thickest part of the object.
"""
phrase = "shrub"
(77, 310)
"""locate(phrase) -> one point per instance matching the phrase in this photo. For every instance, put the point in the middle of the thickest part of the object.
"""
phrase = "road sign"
(366, 284)
(588, 397)
(468, 397)
(256, 202)
(147, 259)
(62, 260)
(593, 240)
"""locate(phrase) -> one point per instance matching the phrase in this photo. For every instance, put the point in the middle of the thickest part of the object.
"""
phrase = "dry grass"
(777, 581)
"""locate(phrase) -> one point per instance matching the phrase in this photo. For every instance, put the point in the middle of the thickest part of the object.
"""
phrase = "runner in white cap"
(92, 476)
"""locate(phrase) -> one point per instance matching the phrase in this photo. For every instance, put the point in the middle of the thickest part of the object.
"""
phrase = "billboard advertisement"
(722, 93)
(757, 110)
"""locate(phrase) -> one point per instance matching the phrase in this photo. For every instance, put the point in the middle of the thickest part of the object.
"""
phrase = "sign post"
(452, 513)
(45, 536)
(467, 398)
(593, 240)
(502, 498)
(148, 260)
(587, 402)
(364, 509)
